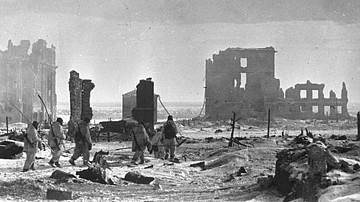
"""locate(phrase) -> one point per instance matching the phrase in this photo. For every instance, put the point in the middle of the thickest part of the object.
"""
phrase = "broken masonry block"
(10, 149)
(95, 173)
(200, 164)
(137, 178)
(58, 194)
(241, 170)
(58, 174)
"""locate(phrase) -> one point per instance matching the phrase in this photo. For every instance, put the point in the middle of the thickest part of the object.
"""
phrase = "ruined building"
(243, 81)
(146, 103)
(308, 101)
(129, 103)
(80, 97)
(23, 77)
(237, 80)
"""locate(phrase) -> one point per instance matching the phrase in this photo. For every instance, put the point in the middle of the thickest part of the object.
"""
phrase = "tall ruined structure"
(129, 103)
(23, 77)
(144, 110)
(80, 97)
(243, 81)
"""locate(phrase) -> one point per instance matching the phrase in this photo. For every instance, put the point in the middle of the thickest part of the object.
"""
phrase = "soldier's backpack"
(169, 130)
(79, 137)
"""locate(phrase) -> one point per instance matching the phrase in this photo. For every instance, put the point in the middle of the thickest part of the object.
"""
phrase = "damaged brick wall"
(241, 81)
(23, 77)
(307, 101)
(80, 97)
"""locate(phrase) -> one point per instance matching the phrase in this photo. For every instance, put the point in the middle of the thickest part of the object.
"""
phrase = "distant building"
(243, 81)
(25, 76)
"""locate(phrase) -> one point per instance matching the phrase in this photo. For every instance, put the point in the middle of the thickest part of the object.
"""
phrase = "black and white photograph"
(180, 100)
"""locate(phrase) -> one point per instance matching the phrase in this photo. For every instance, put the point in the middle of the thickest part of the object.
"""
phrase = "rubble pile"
(98, 170)
(306, 169)
(10, 149)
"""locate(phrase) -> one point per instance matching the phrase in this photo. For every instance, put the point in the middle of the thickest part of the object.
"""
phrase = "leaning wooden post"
(7, 125)
(358, 126)
(232, 130)
(108, 135)
(268, 128)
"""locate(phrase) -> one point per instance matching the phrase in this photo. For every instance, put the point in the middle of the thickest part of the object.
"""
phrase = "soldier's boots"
(51, 163)
(72, 162)
(57, 164)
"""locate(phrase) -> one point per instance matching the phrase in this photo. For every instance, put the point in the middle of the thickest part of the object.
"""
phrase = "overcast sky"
(116, 43)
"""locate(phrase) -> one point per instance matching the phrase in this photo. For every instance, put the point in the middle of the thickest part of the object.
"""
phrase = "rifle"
(29, 122)
(177, 141)
(50, 120)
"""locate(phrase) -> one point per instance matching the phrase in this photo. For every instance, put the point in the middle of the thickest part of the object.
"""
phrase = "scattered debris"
(97, 170)
(10, 149)
(58, 174)
(150, 166)
(218, 131)
(52, 194)
(138, 178)
(95, 173)
(240, 171)
(200, 164)
(338, 137)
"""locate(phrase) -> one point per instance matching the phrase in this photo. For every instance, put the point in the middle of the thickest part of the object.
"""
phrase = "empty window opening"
(243, 80)
(315, 94)
(302, 93)
(339, 108)
(302, 108)
(327, 110)
(235, 83)
(243, 62)
(315, 109)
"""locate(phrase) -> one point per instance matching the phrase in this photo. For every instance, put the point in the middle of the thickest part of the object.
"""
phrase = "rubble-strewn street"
(177, 100)
(209, 170)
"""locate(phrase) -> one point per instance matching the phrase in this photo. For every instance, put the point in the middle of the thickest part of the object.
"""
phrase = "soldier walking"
(31, 146)
(55, 141)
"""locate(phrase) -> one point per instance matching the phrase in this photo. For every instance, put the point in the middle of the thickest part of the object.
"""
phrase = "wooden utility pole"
(268, 128)
(7, 125)
(232, 130)
(358, 126)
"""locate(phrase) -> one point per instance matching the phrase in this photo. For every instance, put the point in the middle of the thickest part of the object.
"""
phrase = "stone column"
(75, 88)
(86, 110)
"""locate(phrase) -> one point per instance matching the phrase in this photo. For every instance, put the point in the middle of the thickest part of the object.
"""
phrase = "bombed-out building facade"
(242, 80)
(23, 77)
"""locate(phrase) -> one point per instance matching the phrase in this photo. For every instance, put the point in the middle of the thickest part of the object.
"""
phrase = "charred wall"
(23, 77)
(80, 90)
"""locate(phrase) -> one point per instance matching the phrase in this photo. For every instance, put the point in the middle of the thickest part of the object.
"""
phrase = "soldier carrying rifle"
(55, 141)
